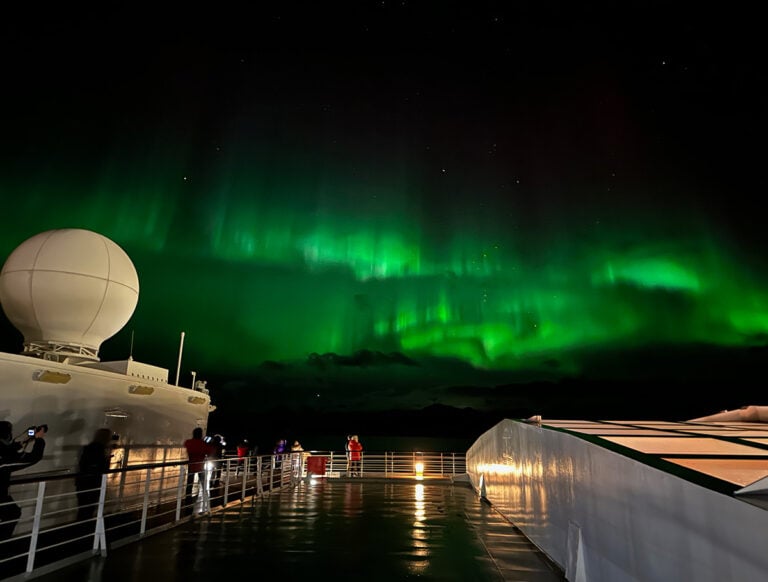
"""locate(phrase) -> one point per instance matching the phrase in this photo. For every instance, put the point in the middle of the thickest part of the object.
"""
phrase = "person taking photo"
(13, 457)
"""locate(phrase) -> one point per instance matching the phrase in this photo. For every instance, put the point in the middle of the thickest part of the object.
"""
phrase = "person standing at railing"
(297, 456)
(280, 448)
(218, 443)
(243, 452)
(197, 451)
(94, 462)
(346, 452)
(14, 456)
(355, 456)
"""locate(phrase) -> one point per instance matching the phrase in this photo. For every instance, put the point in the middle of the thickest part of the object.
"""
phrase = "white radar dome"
(67, 291)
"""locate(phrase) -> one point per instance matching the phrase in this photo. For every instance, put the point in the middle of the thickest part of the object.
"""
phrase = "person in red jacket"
(243, 451)
(355, 456)
(197, 451)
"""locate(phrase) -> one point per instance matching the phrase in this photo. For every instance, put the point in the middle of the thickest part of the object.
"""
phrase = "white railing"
(390, 465)
(139, 500)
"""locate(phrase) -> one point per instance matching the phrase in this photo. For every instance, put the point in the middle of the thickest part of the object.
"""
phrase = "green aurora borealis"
(270, 270)
(502, 210)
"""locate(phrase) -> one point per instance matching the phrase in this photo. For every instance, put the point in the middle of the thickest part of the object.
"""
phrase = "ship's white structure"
(635, 500)
(67, 291)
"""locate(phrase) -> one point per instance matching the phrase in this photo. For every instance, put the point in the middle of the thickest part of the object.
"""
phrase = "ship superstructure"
(67, 291)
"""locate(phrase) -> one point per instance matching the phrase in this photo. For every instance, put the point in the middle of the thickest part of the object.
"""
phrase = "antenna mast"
(178, 367)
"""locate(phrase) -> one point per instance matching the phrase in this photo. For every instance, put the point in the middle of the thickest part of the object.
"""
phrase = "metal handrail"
(142, 499)
(394, 464)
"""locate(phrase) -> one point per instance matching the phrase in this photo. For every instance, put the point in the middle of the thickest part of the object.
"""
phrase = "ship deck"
(345, 529)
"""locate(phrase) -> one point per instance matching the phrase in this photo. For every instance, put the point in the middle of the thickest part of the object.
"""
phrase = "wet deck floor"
(333, 529)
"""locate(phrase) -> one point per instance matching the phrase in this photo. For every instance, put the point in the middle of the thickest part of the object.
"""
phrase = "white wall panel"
(634, 522)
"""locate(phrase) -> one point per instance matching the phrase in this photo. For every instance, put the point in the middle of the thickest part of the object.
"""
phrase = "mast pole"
(178, 367)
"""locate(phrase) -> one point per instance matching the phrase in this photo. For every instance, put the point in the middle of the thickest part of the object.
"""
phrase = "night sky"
(394, 205)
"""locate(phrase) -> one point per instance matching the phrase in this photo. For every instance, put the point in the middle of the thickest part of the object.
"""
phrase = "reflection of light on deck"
(420, 512)
(420, 552)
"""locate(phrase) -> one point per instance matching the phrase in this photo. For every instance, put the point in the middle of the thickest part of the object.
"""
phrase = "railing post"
(180, 490)
(203, 486)
(145, 504)
(271, 473)
(442, 469)
(226, 484)
(161, 488)
(100, 536)
(259, 478)
(298, 467)
(123, 473)
(246, 468)
(35, 526)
